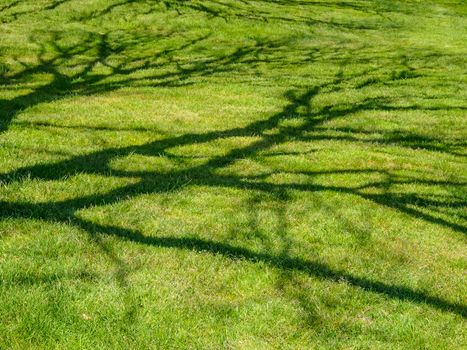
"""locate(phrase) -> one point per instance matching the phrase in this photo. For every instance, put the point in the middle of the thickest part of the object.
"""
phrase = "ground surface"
(233, 174)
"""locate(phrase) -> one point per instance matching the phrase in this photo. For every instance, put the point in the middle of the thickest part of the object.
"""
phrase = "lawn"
(233, 174)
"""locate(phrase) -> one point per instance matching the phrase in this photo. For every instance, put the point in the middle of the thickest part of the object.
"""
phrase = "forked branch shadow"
(316, 269)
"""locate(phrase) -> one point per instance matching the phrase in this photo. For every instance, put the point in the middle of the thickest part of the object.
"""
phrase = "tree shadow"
(87, 78)
(65, 211)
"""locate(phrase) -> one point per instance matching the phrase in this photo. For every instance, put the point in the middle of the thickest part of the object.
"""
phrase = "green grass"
(220, 174)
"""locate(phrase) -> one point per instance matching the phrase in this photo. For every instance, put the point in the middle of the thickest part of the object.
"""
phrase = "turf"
(219, 174)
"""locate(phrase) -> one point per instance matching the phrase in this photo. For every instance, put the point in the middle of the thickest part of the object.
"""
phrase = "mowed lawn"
(220, 174)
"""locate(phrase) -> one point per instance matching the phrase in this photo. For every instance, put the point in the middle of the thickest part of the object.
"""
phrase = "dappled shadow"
(100, 63)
